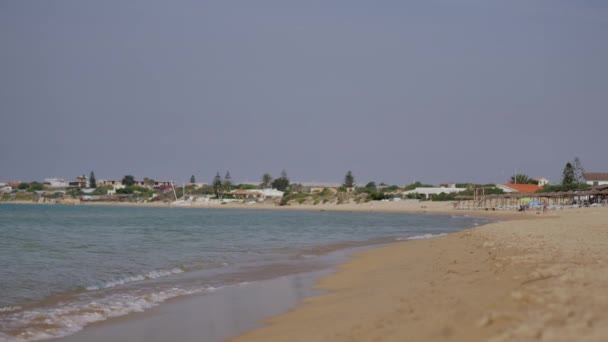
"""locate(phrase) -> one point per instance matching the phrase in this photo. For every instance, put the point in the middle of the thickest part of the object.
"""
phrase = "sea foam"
(139, 277)
(420, 237)
(68, 318)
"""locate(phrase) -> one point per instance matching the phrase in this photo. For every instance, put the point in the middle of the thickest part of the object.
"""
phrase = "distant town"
(281, 191)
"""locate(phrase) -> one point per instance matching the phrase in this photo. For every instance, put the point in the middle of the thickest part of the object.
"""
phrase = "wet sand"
(520, 280)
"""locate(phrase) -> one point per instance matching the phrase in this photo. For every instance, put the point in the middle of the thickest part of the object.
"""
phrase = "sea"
(65, 267)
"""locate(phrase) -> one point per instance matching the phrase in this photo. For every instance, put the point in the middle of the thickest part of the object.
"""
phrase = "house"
(257, 194)
(117, 184)
(246, 194)
(81, 182)
(541, 181)
(519, 188)
(596, 178)
(57, 182)
(270, 193)
(428, 192)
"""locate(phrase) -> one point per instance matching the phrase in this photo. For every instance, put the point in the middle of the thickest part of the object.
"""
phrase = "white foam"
(139, 277)
(9, 309)
(308, 256)
(423, 236)
(68, 318)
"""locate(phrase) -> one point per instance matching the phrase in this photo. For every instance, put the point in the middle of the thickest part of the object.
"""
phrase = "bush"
(567, 187)
(444, 197)
(102, 190)
(417, 185)
(377, 196)
(35, 186)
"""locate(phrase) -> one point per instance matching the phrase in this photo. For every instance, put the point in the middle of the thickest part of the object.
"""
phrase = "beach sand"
(543, 278)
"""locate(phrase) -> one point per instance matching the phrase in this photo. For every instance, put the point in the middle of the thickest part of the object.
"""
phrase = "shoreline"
(177, 312)
(425, 207)
(108, 326)
(344, 249)
(523, 280)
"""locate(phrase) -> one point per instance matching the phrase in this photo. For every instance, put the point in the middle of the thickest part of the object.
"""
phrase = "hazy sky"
(396, 91)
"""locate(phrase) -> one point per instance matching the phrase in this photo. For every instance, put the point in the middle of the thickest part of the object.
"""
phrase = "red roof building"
(521, 188)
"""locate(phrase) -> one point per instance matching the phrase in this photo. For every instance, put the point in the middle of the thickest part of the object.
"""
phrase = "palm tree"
(520, 179)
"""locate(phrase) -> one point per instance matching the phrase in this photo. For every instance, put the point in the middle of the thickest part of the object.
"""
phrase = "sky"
(434, 91)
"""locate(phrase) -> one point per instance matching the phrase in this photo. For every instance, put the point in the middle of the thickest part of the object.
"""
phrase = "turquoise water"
(63, 267)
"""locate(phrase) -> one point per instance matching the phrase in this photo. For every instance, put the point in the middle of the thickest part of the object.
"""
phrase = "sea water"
(63, 267)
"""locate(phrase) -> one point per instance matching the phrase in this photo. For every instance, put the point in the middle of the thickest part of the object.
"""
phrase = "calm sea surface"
(63, 267)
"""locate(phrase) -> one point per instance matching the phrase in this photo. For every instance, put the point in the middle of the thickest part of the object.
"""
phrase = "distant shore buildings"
(520, 188)
(432, 191)
(596, 178)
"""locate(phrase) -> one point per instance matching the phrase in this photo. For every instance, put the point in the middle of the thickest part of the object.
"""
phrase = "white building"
(427, 192)
(270, 193)
(542, 181)
(596, 178)
(57, 182)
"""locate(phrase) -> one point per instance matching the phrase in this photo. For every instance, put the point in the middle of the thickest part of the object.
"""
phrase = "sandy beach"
(542, 278)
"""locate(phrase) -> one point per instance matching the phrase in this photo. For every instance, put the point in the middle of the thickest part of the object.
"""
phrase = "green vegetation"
(23, 196)
(23, 186)
(564, 187)
(102, 190)
(281, 183)
(227, 183)
(377, 196)
(217, 185)
(297, 196)
(35, 186)
(246, 187)
(92, 180)
(138, 191)
(568, 175)
(444, 197)
(521, 178)
(128, 180)
(266, 181)
(417, 185)
(578, 170)
(349, 180)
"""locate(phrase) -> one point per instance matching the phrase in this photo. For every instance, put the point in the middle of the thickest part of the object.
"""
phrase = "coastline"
(429, 271)
(322, 251)
(415, 207)
(523, 280)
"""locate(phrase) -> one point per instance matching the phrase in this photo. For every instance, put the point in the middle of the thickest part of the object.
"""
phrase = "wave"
(9, 308)
(68, 318)
(423, 236)
(139, 277)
